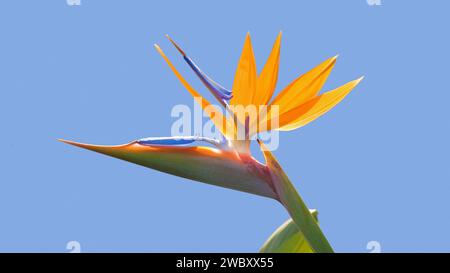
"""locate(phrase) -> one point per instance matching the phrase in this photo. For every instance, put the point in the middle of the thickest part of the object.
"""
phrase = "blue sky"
(376, 167)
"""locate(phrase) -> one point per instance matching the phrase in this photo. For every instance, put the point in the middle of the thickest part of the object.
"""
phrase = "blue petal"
(221, 93)
(212, 86)
(177, 141)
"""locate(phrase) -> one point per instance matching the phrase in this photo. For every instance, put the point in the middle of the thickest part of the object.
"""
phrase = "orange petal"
(244, 85)
(305, 87)
(267, 80)
(309, 111)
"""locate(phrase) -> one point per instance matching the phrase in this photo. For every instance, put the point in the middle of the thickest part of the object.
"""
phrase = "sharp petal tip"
(334, 58)
(112, 150)
(176, 45)
(65, 141)
(158, 48)
(74, 143)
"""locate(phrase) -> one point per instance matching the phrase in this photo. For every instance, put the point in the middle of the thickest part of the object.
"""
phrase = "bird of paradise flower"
(229, 163)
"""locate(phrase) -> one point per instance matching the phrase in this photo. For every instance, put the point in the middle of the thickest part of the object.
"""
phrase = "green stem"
(301, 215)
(291, 200)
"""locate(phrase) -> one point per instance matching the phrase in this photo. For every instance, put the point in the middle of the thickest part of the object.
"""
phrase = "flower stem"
(301, 215)
(291, 200)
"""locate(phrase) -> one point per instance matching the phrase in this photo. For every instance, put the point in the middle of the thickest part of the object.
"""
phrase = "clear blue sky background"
(376, 167)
